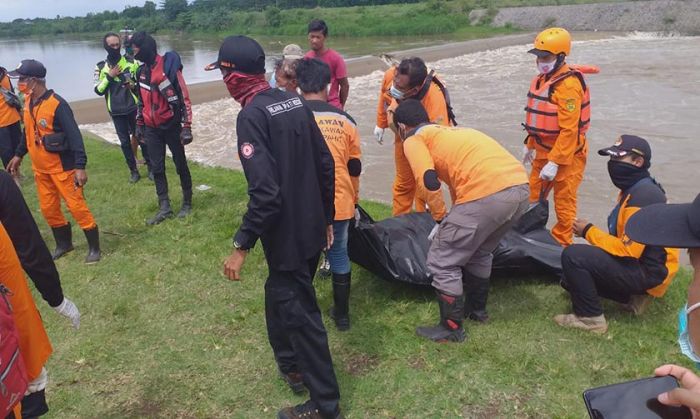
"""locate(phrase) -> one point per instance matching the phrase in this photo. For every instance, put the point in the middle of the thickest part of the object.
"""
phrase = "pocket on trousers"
(292, 313)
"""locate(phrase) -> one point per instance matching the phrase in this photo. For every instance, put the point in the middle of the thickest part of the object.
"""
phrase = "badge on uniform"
(247, 150)
(570, 105)
(43, 123)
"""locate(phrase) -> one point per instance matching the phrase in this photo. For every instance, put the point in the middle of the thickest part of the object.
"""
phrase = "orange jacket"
(8, 114)
(385, 98)
(558, 115)
(472, 164)
(34, 343)
(343, 140)
(49, 115)
(659, 263)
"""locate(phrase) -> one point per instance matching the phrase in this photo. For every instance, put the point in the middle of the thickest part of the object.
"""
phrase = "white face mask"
(546, 68)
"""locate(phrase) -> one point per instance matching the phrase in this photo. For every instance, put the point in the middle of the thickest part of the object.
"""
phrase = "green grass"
(163, 334)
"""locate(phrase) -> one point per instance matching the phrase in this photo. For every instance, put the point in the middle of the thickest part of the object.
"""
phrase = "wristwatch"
(238, 246)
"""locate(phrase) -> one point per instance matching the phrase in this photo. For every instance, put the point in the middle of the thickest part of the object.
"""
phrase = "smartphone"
(634, 400)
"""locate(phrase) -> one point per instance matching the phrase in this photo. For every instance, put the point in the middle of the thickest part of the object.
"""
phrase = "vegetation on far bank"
(279, 17)
(164, 335)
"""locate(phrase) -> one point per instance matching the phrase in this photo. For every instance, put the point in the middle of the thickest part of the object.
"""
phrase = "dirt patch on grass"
(360, 364)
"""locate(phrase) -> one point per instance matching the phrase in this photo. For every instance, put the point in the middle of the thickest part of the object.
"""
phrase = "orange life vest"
(541, 117)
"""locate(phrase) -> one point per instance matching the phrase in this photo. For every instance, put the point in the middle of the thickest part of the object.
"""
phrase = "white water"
(649, 85)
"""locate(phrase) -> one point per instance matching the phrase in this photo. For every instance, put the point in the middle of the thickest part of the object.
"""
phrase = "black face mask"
(147, 48)
(625, 175)
(113, 55)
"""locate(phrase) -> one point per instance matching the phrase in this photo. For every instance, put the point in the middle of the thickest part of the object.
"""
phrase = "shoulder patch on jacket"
(570, 105)
(284, 106)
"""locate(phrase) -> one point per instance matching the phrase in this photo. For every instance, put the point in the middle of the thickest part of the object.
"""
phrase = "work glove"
(186, 136)
(357, 216)
(549, 171)
(140, 132)
(379, 135)
(68, 309)
(528, 155)
(433, 232)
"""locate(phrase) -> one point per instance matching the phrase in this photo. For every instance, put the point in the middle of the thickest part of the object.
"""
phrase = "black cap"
(242, 54)
(667, 225)
(29, 68)
(627, 144)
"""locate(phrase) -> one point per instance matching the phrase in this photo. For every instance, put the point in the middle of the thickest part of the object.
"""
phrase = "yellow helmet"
(553, 40)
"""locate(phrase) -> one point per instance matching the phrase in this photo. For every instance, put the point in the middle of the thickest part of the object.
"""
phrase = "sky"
(27, 9)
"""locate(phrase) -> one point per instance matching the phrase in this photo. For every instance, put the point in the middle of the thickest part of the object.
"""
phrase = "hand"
(433, 232)
(528, 155)
(186, 136)
(549, 171)
(234, 263)
(358, 217)
(70, 311)
(694, 259)
(13, 165)
(140, 133)
(688, 394)
(580, 225)
(80, 177)
(114, 71)
(329, 236)
(379, 135)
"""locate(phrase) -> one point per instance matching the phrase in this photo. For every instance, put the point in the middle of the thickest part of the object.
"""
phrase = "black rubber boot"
(186, 208)
(93, 240)
(163, 213)
(64, 240)
(476, 291)
(135, 176)
(451, 317)
(340, 312)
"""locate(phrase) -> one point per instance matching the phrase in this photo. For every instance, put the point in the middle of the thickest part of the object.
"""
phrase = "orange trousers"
(51, 188)
(404, 193)
(34, 344)
(565, 189)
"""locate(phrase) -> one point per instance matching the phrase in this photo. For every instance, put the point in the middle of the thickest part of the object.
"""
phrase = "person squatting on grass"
(290, 174)
(489, 193)
(56, 148)
(343, 140)
(22, 248)
(614, 266)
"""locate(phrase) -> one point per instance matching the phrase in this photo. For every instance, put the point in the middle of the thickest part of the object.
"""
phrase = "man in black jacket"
(290, 175)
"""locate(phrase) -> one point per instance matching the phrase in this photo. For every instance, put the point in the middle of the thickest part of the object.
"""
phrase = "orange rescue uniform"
(33, 341)
(343, 141)
(404, 190)
(568, 149)
(8, 114)
(472, 164)
(54, 171)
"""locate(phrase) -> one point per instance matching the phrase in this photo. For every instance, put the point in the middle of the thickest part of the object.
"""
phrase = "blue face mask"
(396, 93)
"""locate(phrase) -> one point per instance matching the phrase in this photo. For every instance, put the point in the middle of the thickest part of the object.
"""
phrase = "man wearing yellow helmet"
(557, 118)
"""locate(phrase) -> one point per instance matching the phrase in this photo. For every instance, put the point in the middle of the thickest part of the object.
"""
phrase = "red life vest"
(541, 118)
(13, 374)
(159, 96)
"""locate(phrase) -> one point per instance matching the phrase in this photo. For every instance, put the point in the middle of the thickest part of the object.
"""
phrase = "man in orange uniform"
(557, 118)
(412, 81)
(55, 145)
(21, 247)
(343, 140)
(10, 129)
(489, 193)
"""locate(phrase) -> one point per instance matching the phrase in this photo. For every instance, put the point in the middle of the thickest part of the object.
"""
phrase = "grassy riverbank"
(266, 18)
(163, 334)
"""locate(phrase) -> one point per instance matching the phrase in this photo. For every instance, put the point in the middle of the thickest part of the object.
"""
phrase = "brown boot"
(595, 324)
(306, 410)
(637, 304)
(294, 380)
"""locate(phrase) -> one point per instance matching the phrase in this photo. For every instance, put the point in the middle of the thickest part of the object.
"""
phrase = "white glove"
(528, 155)
(69, 310)
(379, 134)
(39, 383)
(357, 217)
(433, 232)
(549, 171)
